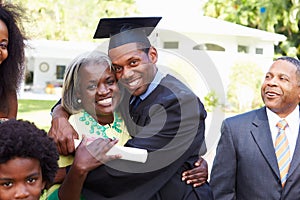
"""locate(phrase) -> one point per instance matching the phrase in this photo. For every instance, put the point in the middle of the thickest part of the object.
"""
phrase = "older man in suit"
(250, 163)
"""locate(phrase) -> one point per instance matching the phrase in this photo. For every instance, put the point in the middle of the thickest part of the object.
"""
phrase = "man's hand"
(198, 175)
(62, 132)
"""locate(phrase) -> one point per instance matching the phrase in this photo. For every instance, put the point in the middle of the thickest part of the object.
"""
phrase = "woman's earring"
(78, 100)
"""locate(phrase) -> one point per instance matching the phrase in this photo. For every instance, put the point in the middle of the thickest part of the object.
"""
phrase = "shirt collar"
(155, 82)
(292, 118)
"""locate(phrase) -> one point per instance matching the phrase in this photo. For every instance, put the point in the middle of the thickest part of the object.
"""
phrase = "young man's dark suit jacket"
(245, 166)
(170, 118)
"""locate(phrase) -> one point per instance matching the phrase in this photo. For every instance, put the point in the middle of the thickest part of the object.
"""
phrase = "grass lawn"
(37, 111)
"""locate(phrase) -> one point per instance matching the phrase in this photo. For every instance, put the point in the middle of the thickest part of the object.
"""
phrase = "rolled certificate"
(127, 153)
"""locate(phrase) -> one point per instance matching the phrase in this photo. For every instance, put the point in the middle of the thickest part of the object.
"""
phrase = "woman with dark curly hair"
(12, 58)
(28, 160)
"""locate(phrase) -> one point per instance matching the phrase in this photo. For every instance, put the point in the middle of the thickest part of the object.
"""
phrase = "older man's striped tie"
(282, 151)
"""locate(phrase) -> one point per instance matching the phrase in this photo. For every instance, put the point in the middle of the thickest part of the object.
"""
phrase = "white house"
(209, 46)
(46, 61)
(214, 45)
(201, 51)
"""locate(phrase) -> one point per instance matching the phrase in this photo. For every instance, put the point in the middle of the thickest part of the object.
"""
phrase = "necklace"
(102, 130)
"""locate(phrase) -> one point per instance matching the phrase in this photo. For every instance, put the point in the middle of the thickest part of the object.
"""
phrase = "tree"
(244, 89)
(279, 16)
(70, 19)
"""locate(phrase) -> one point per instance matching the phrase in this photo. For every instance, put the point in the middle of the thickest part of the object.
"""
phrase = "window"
(60, 71)
(259, 51)
(243, 49)
(171, 45)
(209, 47)
(28, 77)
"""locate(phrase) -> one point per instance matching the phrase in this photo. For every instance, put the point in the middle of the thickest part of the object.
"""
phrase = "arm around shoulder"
(62, 131)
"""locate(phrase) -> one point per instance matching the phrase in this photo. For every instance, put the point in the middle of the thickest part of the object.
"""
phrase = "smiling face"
(280, 90)
(3, 41)
(135, 69)
(21, 178)
(98, 89)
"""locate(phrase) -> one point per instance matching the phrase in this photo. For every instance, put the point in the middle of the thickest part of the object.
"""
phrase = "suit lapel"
(262, 136)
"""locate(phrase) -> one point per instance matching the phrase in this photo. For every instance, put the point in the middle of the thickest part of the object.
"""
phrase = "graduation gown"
(169, 123)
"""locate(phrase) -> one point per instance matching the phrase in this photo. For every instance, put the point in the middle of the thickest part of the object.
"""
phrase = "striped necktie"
(282, 151)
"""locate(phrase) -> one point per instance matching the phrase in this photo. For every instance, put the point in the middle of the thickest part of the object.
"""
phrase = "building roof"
(54, 48)
(194, 24)
(209, 25)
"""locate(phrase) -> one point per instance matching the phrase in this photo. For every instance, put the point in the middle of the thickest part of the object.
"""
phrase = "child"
(28, 160)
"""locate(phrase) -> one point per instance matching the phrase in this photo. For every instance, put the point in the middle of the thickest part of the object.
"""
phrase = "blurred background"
(220, 48)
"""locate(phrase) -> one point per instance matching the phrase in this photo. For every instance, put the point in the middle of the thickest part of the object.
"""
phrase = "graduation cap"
(126, 30)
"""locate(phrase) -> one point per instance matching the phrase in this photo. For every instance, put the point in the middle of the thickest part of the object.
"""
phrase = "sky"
(170, 8)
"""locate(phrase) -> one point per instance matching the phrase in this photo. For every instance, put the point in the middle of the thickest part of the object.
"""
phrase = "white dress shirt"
(291, 130)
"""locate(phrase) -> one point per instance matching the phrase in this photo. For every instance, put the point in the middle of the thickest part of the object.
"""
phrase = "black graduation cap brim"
(126, 30)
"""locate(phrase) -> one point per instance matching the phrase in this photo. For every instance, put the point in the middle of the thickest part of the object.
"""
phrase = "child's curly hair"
(23, 139)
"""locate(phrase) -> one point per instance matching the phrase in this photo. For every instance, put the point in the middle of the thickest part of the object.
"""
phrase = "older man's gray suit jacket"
(245, 166)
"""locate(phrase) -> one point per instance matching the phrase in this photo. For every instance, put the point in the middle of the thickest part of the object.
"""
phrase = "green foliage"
(211, 101)
(245, 83)
(279, 16)
(70, 19)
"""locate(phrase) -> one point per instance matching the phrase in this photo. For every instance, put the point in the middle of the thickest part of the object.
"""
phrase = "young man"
(168, 120)
(248, 161)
